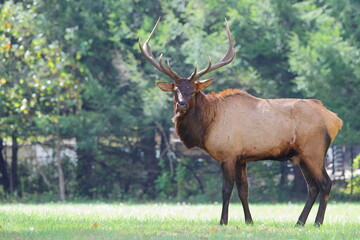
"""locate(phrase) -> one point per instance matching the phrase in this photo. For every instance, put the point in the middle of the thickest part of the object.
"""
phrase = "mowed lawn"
(172, 221)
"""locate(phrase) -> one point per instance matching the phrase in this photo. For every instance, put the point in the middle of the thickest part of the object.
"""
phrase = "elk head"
(184, 89)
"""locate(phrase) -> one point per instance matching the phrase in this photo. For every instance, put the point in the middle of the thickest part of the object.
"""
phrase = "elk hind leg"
(313, 192)
(227, 187)
(324, 184)
(243, 191)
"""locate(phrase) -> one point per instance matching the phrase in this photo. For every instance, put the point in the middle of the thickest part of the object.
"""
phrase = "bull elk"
(235, 128)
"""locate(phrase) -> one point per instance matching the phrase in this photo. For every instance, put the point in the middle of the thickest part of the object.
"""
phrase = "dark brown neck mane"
(192, 127)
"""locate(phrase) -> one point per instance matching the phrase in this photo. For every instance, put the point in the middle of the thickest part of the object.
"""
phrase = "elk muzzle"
(181, 103)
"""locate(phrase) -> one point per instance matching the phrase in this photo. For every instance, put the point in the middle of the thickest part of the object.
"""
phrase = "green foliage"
(73, 70)
(264, 183)
(353, 185)
(326, 65)
(187, 179)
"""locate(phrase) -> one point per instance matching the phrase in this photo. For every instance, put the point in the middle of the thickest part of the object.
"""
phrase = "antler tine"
(204, 71)
(168, 72)
(146, 51)
(163, 69)
(229, 56)
(172, 71)
(153, 30)
(193, 73)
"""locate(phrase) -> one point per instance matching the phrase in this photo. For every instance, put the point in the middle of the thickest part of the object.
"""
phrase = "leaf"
(95, 225)
(214, 229)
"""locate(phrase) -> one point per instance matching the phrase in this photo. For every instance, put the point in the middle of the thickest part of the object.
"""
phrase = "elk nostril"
(182, 105)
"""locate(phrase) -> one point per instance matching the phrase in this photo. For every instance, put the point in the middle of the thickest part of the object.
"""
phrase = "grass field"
(165, 221)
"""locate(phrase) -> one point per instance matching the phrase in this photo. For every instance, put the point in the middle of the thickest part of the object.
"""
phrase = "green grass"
(170, 221)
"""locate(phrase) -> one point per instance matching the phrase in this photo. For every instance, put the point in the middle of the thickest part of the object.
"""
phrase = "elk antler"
(146, 51)
(229, 56)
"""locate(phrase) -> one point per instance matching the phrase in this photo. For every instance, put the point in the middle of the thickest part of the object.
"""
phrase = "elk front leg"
(227, 187)
(243, 191)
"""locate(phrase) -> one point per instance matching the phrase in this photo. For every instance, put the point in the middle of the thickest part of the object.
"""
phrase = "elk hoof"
(223, 222)
(249, 222)
(299, 224)
(317, 224)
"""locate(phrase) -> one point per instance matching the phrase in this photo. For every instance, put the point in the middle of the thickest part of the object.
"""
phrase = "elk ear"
(201, 85)
(166, 87)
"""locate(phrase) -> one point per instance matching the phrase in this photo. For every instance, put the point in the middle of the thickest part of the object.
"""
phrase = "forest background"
(73, 81)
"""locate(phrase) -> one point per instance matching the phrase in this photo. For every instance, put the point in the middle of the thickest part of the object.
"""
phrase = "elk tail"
(333, 124)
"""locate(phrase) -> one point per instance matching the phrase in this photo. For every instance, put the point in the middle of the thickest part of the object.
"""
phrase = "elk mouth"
(181, 110)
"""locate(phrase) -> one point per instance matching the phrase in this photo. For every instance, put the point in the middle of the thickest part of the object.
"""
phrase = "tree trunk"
(151, 163)
(84, 169)
(352, 156)
(58, 149)
(5, 181)
(14, 163)
(60, 169)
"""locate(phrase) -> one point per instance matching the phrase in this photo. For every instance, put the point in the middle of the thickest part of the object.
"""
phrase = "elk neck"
(193, 126)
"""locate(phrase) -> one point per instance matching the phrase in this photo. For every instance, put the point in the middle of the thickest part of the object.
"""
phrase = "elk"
(235, 128)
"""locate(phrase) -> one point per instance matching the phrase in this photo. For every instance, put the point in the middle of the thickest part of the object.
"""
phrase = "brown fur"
(235, 127)
(193, 127)
(233, 124)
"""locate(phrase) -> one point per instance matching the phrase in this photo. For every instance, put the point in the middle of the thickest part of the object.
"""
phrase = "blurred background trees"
(74, 84)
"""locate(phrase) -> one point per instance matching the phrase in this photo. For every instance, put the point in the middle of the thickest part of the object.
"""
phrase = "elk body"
(235, 128)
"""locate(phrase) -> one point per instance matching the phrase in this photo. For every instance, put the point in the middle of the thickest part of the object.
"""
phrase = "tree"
(325, 62)
(16, 97)
(112, 108)
(37, 87)
(72, 69)
(4, 180)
